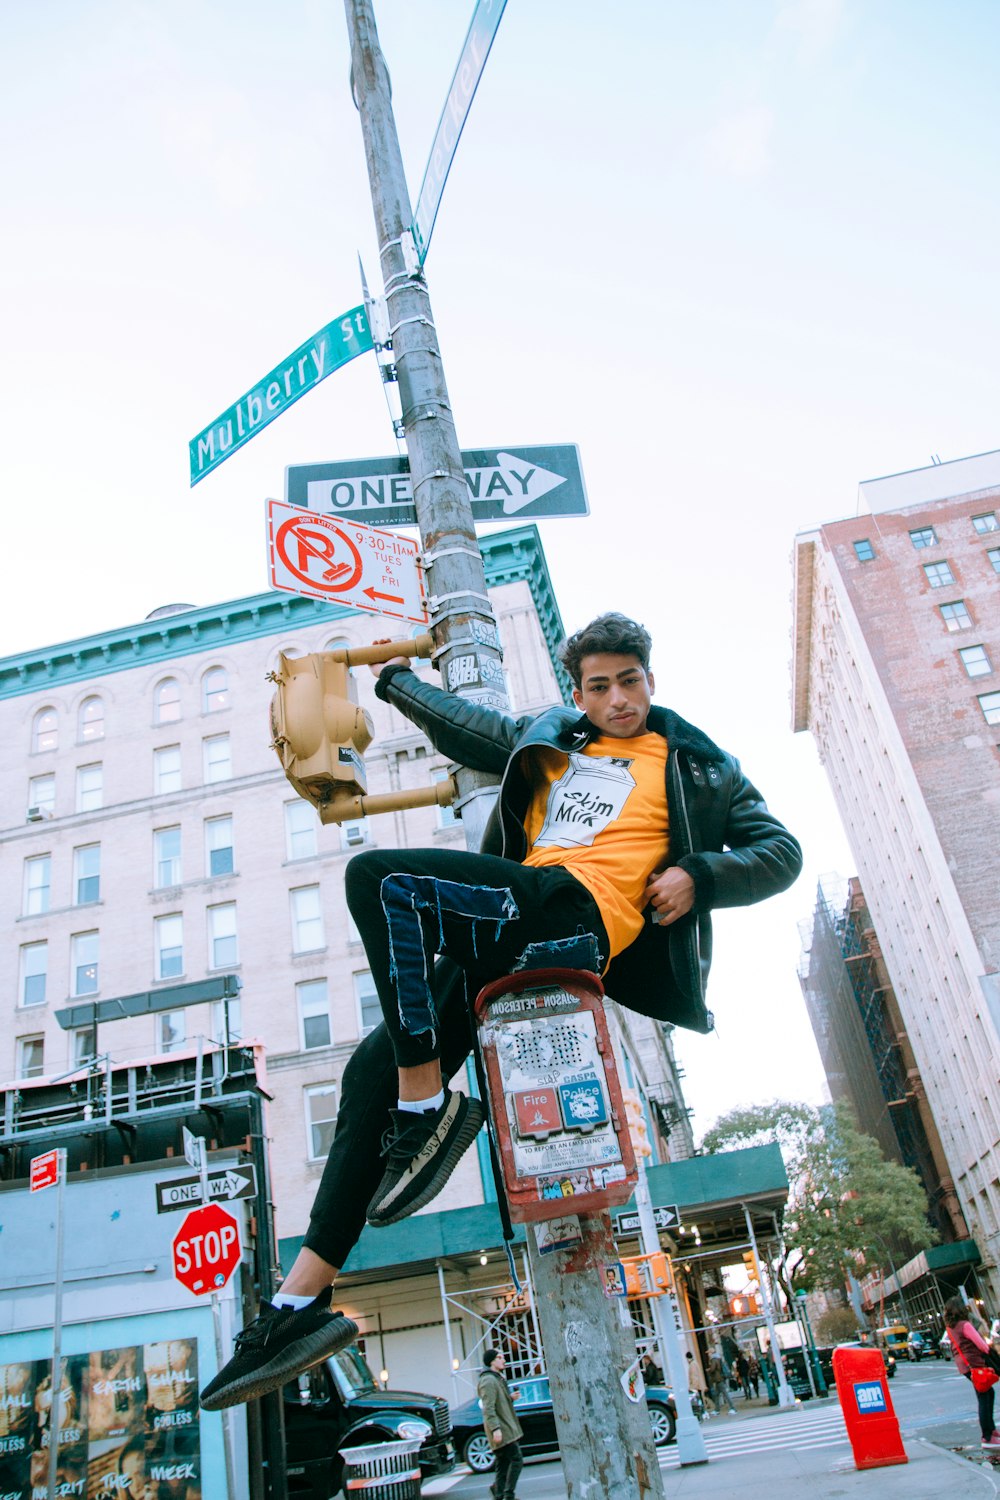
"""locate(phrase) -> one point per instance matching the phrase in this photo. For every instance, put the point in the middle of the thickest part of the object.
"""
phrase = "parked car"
(533, 1404)
(338, 1404)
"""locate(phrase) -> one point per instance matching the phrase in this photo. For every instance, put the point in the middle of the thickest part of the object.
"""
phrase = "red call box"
(555, 1096)
(867, 1406)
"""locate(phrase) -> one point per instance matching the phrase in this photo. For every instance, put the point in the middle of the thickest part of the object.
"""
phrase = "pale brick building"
(150, 838)
(897, 674)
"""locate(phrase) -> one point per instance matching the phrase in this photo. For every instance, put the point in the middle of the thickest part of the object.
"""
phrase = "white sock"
(290, 1299)
(419, 1106)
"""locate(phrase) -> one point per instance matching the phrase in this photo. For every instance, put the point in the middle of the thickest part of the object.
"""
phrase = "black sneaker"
(279, 1344)
(422, 1151)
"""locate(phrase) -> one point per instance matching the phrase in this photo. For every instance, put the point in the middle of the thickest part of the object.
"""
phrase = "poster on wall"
(128, 1425)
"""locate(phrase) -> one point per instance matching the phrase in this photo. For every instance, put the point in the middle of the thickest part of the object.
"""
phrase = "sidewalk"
(828, 1473)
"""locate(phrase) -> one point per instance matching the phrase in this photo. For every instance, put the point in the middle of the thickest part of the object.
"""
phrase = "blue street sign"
(471, 62)
(340, 341)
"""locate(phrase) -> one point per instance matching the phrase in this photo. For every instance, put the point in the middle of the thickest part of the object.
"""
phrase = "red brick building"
(896, 672)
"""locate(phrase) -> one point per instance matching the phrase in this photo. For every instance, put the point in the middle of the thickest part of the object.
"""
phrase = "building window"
(82, 1045)
(990, 705)
(314, 1013)
(925, 537)
(89, 787)
(169, 946)
(222, 948)
(307, 919)
(301, 824)
(30, 1056)
(37, 880)
(938, 574)
(219, 846)
(166, 857)
(214, 690)
(445, 815)
(171, 1030)
(994, 556)
(864, 551)
(220, 1010)
(42, 794)
(985, 523)
(956, 616)
(321, 1119)
(218, 762)
(83, 962)
(975, 661)
(34, 968)
(45, 730)
(86, 874)
(166, 770)
(90, 720)
(167, 701)
(366, 996)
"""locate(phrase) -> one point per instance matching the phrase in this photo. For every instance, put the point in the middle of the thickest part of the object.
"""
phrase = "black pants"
(985, 1401)
(533, 905)
(509, 1466)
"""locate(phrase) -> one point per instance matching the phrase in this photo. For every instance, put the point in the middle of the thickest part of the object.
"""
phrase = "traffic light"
(743, 1305)
(319, 733)
(750, 1266)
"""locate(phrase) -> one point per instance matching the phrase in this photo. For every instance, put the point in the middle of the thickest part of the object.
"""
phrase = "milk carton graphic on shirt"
(584, 800)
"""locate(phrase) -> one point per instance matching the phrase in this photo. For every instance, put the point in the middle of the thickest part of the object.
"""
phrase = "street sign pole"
(690, 1440)
(467, 646)
(197, 1156)
(55, 1406)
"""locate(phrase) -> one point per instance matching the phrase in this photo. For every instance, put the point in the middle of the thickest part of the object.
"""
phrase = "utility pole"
(588, 1339)
(467, 645)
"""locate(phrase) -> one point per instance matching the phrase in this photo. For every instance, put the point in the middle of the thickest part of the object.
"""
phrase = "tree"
(846, 1199)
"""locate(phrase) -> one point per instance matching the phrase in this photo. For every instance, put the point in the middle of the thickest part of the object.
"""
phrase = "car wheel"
(661, 1419)
(478, 1454)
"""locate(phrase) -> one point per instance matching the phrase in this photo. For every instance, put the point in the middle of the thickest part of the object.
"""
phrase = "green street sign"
(333, 346)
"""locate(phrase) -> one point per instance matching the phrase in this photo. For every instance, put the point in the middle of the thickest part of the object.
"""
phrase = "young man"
(500, 1423)
(620, 819)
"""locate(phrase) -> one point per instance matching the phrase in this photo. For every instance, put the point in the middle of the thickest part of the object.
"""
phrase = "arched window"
(167, 701)
(90, 721)
(45, 730)
(214, 690)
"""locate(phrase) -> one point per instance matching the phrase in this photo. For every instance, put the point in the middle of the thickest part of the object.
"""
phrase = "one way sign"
(505, 484)
(224, 1186)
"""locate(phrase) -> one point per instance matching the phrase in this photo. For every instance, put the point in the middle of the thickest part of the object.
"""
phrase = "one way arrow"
(532, 482)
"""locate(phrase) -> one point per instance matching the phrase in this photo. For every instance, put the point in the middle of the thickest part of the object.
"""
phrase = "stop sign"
(206, 1249)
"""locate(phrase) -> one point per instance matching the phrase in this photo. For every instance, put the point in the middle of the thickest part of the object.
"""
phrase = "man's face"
(614, 693)
(498, 1364)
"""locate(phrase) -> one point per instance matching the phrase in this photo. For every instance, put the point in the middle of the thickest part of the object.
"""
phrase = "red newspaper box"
(867, 1406)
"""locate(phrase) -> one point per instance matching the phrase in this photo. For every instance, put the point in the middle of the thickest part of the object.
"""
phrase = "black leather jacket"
(721, 832)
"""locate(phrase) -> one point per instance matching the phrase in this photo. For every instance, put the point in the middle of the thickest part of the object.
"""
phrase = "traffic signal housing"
(320, 733)
(751, 1267)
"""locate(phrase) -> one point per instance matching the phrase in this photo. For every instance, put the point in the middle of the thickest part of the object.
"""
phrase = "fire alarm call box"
(556, 1100)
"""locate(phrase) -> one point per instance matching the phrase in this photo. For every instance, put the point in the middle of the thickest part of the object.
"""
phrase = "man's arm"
(467, 733)
(761, 857)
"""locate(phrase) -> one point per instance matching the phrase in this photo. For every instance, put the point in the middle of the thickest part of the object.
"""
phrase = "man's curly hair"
(612, 633)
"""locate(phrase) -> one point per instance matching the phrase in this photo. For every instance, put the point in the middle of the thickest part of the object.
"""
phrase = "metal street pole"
(196, 1148)
(609, 1448)
(55, 1405)
(690, 1439)
(606, 1444)
(467, 646)
(785, 1394)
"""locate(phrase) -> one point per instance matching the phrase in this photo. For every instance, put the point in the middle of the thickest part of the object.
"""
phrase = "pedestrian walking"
(980, 1365)
(718, 1385)
(503, 1430)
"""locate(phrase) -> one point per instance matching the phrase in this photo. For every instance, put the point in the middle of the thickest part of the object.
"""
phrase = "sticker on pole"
(345, 562)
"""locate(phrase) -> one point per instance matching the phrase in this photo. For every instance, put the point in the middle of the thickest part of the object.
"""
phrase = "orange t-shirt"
(601, 813)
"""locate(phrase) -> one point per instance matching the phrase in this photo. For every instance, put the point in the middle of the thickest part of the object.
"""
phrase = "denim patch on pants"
(404, 898)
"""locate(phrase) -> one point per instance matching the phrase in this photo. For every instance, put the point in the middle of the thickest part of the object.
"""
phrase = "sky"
(742, 253)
